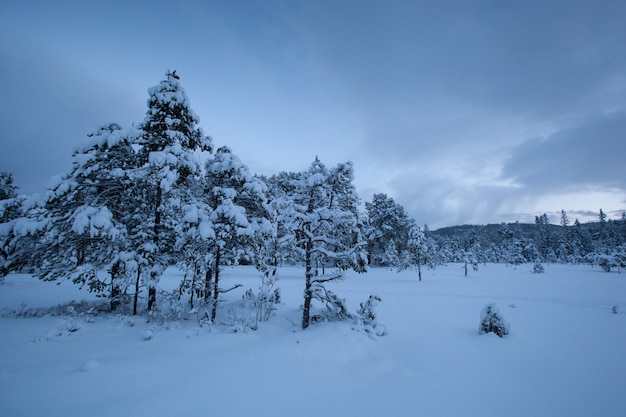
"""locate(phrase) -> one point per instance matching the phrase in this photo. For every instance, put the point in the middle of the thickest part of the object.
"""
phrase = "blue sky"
(463, 112)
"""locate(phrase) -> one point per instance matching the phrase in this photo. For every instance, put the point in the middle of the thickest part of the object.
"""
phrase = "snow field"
(564, 356)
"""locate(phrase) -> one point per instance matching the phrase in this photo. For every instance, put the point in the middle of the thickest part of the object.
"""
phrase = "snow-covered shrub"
(491, 321)
(239, 320)
(335, 307)
(366, 317)
(264, 302)
(538, 268)
(84, 310)
(148, 335)
(605, 262)
(171, 308)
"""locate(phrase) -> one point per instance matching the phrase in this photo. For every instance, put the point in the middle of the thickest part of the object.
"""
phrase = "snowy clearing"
(563, 357)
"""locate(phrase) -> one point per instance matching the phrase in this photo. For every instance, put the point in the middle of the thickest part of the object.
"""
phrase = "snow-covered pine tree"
(171, 138)
(471, 251)
(79, 223)
(580, 241)
(564, 222)
(420, 251)
(491, 321)
(10, 210)
(390, 257)
(602, 236)
(238, 215)
(386, 221)
(546, 239)
(564, 247)
(323, 215)
(8, 190)
(623, 231)
(280, 193)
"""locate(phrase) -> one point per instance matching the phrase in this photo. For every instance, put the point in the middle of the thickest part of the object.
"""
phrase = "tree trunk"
(207, 283)
(157, 226)
(157, 214)
(193, 290)
(151, 293)
(308, 294)
(465, 268)
(216, 291)
(136, 290)
(115, 288)
(419, 271)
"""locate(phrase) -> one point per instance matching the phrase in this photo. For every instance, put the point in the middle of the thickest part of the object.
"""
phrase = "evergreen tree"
(79, 223)
(171, 138)
(603, 235)
(8, 190)
(420, 251)
(10, 210)
(623, 232)
(580, 241)
(390, 257)
(323, 216)
(564, 222)
(238, 214)
(387, 221)
(545, 245)
(564, 249)
(471, 251)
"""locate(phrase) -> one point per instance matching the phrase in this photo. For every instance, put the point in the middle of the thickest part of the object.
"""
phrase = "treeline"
(600, 243)
(138, 200)
(394, 240)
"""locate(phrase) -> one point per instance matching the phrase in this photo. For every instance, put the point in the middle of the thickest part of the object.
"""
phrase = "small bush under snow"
(366, 317)
(491, 321)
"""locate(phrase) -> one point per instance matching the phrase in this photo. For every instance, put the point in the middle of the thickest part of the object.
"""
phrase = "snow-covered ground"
(565, 356)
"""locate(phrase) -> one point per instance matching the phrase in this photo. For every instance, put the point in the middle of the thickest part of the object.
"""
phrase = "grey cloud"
(424, 73)
(49, 106)
(591, 153)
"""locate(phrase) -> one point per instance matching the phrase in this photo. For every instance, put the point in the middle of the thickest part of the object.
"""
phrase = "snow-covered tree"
(79, 222)
(390, 257)
(225, 221)
(516, 249)
(10, 210)
(323, 217)
(491, 321)
(169, 144)
(387, 221)
(8, 191)
(238, 213)
(564, 222)
(580, 242)
(420, 251)
(546, 238)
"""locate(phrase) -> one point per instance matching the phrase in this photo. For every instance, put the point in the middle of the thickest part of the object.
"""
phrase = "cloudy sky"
(462, 111)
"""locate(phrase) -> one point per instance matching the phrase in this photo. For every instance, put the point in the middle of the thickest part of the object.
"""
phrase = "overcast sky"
(464, 112)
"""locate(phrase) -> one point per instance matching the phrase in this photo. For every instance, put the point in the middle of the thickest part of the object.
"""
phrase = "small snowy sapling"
(366, 316)
(491, 321)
